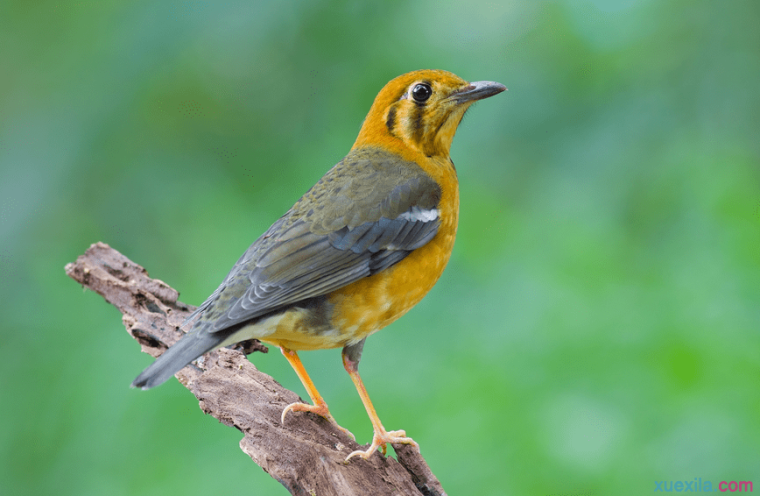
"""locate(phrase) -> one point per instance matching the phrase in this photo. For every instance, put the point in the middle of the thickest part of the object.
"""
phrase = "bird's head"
(422, 109)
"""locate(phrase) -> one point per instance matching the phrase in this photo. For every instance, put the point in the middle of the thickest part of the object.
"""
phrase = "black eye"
(421, 92)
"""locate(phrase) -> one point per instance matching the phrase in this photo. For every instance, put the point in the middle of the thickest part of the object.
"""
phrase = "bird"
(357, 251)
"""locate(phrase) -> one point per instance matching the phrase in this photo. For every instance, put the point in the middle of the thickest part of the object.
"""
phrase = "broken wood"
(307, 454)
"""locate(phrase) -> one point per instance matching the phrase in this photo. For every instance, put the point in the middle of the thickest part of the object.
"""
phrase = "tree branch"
(307, 453)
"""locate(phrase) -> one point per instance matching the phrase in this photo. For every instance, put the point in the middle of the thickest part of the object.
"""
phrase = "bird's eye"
(421, 92)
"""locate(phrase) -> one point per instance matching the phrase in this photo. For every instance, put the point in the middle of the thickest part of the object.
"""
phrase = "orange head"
(422, 110)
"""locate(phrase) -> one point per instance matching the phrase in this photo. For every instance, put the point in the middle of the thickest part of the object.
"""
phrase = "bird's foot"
(380, 439)
(320, 410)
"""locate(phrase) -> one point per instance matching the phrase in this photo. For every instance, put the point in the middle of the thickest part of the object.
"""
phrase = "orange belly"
(372, 303)
(368, 305)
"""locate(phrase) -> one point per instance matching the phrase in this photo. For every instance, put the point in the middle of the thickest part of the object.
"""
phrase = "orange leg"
(319, 407)
(381, 437)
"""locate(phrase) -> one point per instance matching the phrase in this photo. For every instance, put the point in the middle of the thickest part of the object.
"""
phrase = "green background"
(596, 329)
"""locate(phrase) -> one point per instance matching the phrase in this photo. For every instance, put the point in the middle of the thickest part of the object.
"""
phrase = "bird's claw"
(380, 440)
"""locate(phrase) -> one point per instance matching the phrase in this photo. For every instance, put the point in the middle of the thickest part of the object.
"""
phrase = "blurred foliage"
(596, 330)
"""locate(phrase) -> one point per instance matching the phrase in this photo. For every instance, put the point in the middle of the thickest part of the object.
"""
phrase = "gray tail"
(184, 351)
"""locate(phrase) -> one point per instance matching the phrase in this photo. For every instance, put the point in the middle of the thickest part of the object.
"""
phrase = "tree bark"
(307, 453)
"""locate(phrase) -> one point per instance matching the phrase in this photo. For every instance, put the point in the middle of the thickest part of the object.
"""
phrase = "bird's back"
(327, 274)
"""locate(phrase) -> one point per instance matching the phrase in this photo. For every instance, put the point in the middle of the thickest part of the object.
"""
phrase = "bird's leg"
(319, 407)
(351, 357)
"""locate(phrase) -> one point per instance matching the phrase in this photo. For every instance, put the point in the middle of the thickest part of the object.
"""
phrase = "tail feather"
(184, 351)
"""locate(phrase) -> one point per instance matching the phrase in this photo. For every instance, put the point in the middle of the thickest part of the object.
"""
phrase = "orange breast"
(372, 303)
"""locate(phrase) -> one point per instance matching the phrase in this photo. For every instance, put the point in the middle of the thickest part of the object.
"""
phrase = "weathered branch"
(307, 453)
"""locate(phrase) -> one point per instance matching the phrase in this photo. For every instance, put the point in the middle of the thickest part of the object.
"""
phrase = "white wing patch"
(420, 214)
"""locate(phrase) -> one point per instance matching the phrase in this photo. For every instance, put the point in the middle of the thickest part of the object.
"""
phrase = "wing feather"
(341, 231)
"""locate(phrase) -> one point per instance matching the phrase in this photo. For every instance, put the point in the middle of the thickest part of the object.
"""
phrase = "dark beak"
(477, 91)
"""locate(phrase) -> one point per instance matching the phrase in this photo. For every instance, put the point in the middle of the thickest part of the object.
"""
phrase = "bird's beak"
(477, 91)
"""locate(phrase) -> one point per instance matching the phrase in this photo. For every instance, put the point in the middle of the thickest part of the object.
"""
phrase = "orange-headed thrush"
(356, 252)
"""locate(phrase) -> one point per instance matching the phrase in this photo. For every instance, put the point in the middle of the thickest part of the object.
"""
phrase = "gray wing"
(341, 231)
